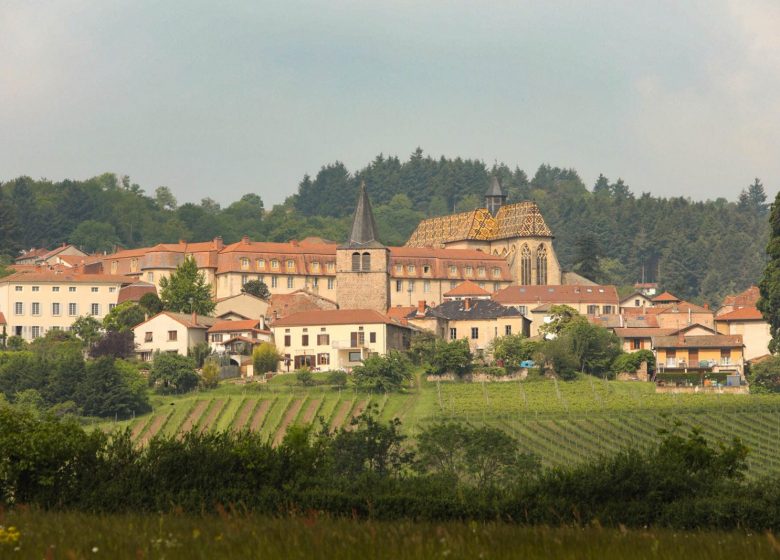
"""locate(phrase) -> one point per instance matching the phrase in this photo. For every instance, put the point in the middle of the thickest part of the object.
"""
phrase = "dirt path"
(138, 427)
(341, 414)
(289, 416)
(358, 410)
(311, 410)
(243, 415)
(211, 419)
(154, 427)
(257, 419)
(193, 416)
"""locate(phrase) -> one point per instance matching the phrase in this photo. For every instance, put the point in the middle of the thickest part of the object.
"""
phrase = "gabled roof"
(742, 314)
(666, 296)
(641, 332)
(747, 298)
(467, 288)
(688, 328)
(400, 312)
(634, 295)
(282, 305)
(513, 295)
(698, 341)
(201, 321)
(65, 275)
(335, 317)
(681, 307)
(234, 326)
(478, 309)
(364, 233)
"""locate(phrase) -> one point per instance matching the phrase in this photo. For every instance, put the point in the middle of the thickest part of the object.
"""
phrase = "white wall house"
(224, 336)
(170, 332)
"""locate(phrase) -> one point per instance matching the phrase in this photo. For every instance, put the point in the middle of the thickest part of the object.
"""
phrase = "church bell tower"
(494, 197)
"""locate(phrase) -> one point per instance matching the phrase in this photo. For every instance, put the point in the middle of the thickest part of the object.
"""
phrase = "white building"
(170, 332)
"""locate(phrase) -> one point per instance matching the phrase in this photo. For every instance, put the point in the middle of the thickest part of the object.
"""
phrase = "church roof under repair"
(513, 220)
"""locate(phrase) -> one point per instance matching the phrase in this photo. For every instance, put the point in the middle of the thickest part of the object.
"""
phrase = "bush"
(495, 371)
(512, 349)
(383, 373)
(209, 375)
(173, 373)
(629, 363)
(337, 378)
(451, 357)
(764, 377)
(304, 377)
(265, 358)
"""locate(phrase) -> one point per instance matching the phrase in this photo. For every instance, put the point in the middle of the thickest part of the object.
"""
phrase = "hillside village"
(478, 275)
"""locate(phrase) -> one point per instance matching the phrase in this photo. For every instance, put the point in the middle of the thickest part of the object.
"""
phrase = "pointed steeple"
(494, 197)
(363, 232)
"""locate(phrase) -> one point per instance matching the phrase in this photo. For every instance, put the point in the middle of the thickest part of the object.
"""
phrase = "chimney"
(421, 308)
(194, 318)
(706, 306)
(182, 241)
(245, 240)
(467, 303)
(276, 314)
(218, 242)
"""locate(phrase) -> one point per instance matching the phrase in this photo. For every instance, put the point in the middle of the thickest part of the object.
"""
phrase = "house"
(635, 301)
(282, 305)
(697, 347)
(329, 339)
(241, 305)
(633, 339)
(467, 289)
(41, 299)
(170, 332)
(66, 255)
(648, 289)
(682, 314)
(665, 299)
(537, 301)
(748, 298)
(237, 337)
(749, 323)
(480, 321)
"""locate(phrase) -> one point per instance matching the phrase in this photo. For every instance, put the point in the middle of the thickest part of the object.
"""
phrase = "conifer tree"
(769, 304)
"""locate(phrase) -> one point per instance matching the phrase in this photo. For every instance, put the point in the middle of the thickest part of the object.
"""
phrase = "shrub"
(383, 373)
(451, 357)
(495, 371)
(173, 373)
(305, 377)
(764, 377)
(209, 375)
(337, 378)
(265, 358)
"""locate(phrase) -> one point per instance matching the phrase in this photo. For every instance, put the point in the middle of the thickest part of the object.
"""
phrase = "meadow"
(561, 422)
(73, 535)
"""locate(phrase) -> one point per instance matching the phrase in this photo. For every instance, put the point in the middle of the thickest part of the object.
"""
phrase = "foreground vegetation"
(78, 535)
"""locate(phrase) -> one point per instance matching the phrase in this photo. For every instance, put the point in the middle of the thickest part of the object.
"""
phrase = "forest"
(699, 250)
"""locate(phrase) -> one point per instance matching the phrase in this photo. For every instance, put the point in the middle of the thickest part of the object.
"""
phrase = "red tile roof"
(2, 319)
(201, 321)
(334, 317)
(745, 299)
(134, 291)
(467, 288)
(512, 295)
(282, 305)
(681, 307)
(400, 312)
(642, 332)
(64, 275)
(666, 296)
(742, 314)
(703, 341)
(234, 326)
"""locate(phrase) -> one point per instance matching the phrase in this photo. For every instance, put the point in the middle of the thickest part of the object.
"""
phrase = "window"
(71, 288)
(541, 265)
(36, 288)
(496, 286)
(507, 330)
(55, 308)
(496, 272)
(357, 339)
(398, 285)
(72, 309)
(399, 269)
(305, 340)
(525, 265)
(244, 279)
(111, 290)
(287, 340)
(173, 336)
(637, 303)
(150, 277)
(469, 270)
(453, 334)
(133, 265)
(36, 332)
(260, 264)
(355, 357)
(95, 309)
(593, 309)
(274, 281)
(148, 336)
(289, 281)
(523, 310)
(426, 269)
(453, 270)
(482, 285)
(290, 264)
(94, 289)
(315, 282)
(474, 333)
(410, 268)
(453, 285)
(426, 286)
(481, 271)
(636, 344)
(366, 262)
(216, 337)
(355, 262)
(18, 308)
(331, 267)
(18, 288)
(111, 306)
(274, 264)
(55, 288)
(315, 266)
(114, 265)
(372, 337)
(725, 356)
(323, 339)
(330, 283)
(607, 309)
(323, 359)
(244, 263)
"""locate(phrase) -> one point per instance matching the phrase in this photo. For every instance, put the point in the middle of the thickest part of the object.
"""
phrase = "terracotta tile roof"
(282, 305)
(742, 314)
(65, 275)
(201, 321)
(513, 295)
(467, 288)
(666, 296)
(642, 332)
(32, 254)
(747, 298)
(234, 326)
(334, 317)
(681, 307)
(2, 319)
(400, 312)
(706, 341)
(135, 291)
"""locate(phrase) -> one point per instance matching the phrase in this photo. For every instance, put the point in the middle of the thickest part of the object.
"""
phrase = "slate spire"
(494, 197)
(363, 232)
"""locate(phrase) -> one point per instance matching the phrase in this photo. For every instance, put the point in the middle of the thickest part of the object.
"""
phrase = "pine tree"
(769, 304)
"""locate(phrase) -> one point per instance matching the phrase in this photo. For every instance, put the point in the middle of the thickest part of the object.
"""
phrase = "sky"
(218, 99)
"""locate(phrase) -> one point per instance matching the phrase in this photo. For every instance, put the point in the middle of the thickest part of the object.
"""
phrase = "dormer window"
(453, 270)
(399, 268)
(331, 267)
(426, 269)
(410, 268)
(260, 264)
(315, 266)
(274, 264)
(244, 263)
(496, 272)
(290, 264)
(469, 270)
(481, 271)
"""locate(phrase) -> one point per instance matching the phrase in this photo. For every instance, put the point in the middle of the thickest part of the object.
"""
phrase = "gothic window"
(541, 265)
(366, 262)
(355, 262)
(525, 266)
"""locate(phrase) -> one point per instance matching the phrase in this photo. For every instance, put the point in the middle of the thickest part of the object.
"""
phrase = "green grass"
(561, 422)
(80, 535)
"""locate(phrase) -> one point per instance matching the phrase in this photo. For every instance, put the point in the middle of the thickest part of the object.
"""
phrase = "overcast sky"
(223, 98)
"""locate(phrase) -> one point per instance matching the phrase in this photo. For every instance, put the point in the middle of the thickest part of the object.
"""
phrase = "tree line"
(699, 250)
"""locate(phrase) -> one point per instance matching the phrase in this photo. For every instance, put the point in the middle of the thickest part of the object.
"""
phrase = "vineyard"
(563, 423)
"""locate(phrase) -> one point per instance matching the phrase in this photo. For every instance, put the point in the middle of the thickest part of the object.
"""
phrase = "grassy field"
(76, 536)
(562, 422)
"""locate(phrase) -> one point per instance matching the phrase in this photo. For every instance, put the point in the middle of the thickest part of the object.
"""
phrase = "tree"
(512, 349)
(164, 198)
(556, 354)
(209, 375)
(754, 198)
(451, 357)
(200, 353)
(173, 373)
(422, 347)
(337, 378)
(304, 377)
(593, 346)
(87, 329)
(105, 391)
(92, 236)
(560, 316)
(124, 317)
(383, 373)
(265, 358)
(769, 303)
(764, 377)
(151, 303)
(588, 251)
(117, 344)
(256, 288)
(186, 290)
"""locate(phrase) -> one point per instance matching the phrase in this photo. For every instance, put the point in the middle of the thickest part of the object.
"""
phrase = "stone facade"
(365, 288)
